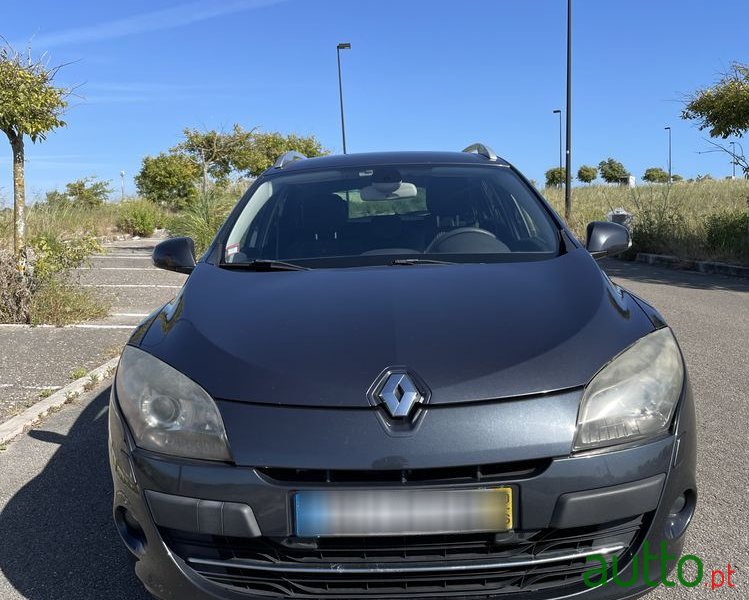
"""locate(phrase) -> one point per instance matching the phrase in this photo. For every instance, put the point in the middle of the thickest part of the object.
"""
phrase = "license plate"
(401, 512)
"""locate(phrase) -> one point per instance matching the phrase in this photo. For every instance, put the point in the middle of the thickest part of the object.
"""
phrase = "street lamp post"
(669, 154)
(568, 171)
(342, 46)
(122, 185)
(559, 112)
(733, 160)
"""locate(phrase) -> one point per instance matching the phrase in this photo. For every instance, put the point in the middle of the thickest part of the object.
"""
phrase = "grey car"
(400, 375)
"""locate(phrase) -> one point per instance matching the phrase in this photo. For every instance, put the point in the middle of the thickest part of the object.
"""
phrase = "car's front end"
(387, 431)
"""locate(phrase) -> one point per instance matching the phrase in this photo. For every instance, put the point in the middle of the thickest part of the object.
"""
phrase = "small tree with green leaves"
(555, 177)
(587, 173)
(675, 178)
(214, 152)
(265, 147)
(169, 179)
(655, 175)
(30, 106)
(82, 193)
(612, 171)
(723, 109)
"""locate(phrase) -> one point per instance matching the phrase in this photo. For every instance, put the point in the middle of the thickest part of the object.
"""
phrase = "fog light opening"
(680, 514)
(130, 531)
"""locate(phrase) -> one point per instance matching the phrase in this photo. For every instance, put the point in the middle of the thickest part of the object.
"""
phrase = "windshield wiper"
(265, 265)
(420, 261)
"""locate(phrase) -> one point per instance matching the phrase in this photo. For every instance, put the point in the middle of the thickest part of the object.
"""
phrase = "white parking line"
(138, 315)
(132, 285)
(30, 387)
(117, 269)
(73, 326)
(125, 256)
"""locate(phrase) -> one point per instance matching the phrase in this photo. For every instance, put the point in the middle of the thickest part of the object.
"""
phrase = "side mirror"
(606, 239)
(175, 254)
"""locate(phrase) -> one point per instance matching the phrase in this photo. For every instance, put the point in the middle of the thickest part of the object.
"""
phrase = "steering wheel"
(468, 240)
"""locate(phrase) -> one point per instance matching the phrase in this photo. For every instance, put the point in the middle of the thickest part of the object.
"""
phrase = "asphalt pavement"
(57, 541)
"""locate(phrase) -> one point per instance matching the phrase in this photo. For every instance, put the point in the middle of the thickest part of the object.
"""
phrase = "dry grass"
(692, 220)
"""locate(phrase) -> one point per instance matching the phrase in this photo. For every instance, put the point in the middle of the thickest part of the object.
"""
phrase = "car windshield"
(385, 214)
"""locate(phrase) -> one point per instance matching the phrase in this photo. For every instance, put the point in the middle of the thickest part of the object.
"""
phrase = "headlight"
(634, 396)
(168, 412)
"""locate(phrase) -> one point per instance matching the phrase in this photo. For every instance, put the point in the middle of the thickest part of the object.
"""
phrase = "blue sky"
(421, 75)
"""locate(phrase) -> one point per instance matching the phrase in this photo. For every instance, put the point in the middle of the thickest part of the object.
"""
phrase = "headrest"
(325, 213)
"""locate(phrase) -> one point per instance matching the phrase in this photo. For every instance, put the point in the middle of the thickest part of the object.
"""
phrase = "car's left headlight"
(167, 411)
(634, 396)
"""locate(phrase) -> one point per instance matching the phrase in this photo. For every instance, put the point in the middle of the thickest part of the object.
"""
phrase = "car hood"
(470, 332)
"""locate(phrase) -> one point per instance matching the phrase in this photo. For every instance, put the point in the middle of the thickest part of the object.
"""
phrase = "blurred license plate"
(401, 512)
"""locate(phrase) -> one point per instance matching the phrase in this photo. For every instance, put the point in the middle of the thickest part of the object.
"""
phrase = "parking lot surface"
(37, 359)
(57, 541)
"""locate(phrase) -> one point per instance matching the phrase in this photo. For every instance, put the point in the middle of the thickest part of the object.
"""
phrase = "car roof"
(334, 161)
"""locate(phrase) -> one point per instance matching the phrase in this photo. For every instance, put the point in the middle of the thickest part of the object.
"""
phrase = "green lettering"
(615, 570)
(665, 557)
(600, 571)
(680, 575)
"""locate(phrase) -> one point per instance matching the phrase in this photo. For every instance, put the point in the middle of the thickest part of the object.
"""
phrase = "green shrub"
(54, 255)
(137, 217)
(59, 302)
(202, 219)
(726, 232)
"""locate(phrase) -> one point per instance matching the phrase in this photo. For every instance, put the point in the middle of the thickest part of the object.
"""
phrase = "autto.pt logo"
(690, 571)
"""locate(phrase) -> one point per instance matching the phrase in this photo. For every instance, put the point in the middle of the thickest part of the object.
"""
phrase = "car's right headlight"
(634, 396)
(167, 411)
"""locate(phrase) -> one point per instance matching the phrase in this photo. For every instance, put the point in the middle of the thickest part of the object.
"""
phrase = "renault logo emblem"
(399, 392)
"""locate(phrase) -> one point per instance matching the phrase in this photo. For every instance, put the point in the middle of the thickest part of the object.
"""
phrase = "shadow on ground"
(682, 278)
(57, 539)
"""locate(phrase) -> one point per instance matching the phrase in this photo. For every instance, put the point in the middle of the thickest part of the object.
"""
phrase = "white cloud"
(158, 20)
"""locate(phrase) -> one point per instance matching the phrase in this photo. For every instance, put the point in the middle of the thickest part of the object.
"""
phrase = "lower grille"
(470, 566)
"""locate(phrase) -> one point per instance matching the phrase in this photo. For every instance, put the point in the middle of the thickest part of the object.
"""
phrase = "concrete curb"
(674, 262)
(20, 423)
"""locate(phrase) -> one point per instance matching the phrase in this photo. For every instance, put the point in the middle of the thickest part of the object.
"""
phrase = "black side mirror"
(606, 239)
(175, 254)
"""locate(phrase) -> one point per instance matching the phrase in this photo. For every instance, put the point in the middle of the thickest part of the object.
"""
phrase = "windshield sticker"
(232, 249)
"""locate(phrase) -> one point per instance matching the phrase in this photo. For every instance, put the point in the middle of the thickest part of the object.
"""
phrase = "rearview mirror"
(175, 254)
(607, 239)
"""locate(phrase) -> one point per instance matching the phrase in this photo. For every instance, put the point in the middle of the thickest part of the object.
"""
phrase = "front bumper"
(205, 545)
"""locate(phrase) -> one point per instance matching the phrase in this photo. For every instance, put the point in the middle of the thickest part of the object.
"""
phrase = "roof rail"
(288, 157)
(482, 150)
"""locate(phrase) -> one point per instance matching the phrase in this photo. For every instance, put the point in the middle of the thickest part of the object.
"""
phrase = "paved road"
(57, 542)
(42, 358)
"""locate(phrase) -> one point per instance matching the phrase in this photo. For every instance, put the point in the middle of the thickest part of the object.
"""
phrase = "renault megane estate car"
(399, 375)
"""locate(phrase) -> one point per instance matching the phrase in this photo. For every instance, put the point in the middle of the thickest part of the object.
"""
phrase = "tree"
(655, 175)
(675, 178)
(88, 192)
(612, 171)
(555, 177)
(82, 193)
(214, 152)
(265, 147)
(169, 179)
(722, 108)
(30, 105)
(587, 174)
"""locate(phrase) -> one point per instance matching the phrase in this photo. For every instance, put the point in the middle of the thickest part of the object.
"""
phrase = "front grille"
(450, 566)
(464, 474)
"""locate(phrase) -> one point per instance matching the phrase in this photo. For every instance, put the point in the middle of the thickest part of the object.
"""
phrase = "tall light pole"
(122, 185)
(669, 154)
(733, 160)
(559, 112)
(568, 170)
(342, 46)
